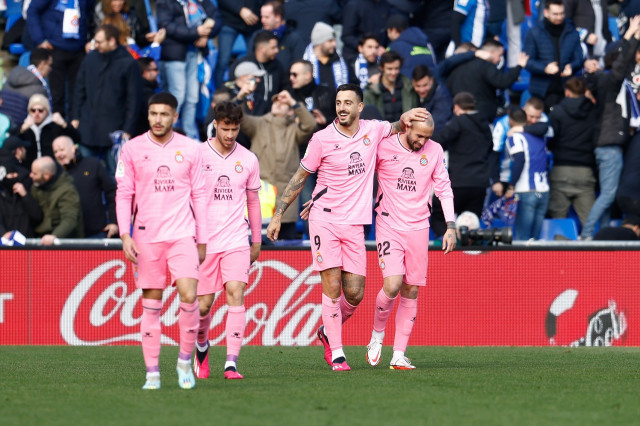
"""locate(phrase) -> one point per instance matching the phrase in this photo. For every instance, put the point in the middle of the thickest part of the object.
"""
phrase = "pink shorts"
(403, 253)
(220, 268)
(181, 256)
(338, 246)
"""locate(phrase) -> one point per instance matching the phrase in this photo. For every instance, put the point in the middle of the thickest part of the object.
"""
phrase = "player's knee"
(354, 295)
(409, 291)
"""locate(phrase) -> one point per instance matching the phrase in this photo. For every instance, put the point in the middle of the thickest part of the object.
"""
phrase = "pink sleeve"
(255, 216)
(199, 197)
(442, 186)
(125, 178)
(312, 157)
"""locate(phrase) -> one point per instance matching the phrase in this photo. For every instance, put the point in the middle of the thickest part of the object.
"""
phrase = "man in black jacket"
(482, 78)
(571, 179)
(92, 181)
(467, 138)
(108, 96)
(273, 80)
(18, 210)
(319, 100)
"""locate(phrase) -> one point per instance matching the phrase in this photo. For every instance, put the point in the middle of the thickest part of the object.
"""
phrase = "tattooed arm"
(291, 192)
(414, 114)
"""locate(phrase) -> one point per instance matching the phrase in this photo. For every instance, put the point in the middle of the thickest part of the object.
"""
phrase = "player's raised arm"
(291, 192)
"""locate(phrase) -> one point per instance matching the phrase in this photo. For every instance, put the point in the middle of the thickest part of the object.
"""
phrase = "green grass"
(293, 386)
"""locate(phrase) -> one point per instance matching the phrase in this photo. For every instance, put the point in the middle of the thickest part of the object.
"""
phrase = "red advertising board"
(532, 298)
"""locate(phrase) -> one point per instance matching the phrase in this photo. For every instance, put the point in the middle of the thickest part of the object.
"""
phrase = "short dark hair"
(164, 98)
(109, 31)
(367, 36)
(398, 22)
(465, 100)
(308, 66)
(39, 55)
(278, 8)
(517, 115)
(221, 94)
(144, 63)
(389, 57)
(263, 37)
(632, 220)
(535, 102)
(492, 44)
(576, 85)
(548, 3)
(229, 112)
(420, 72)
(350, 87)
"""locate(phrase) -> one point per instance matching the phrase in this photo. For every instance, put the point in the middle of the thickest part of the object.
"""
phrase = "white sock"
(337, 354)
(378, 335)
(155, 375)
(397, 355)
(183, 362)
(202, 348)
(230, 364)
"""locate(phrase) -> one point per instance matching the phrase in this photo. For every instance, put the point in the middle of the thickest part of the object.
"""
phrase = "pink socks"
(346, 308)
(384, 305)
(151, 331)
(332, 320)
(405, 318)
(203, 330)
(189, 320)
(236, 323)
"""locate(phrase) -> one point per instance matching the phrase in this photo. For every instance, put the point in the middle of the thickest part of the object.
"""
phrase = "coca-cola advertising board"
(532, 298)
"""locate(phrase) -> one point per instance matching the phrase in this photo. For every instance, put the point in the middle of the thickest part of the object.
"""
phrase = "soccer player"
(232, 177)
(161, 208)
(344, 156)
(410, 166)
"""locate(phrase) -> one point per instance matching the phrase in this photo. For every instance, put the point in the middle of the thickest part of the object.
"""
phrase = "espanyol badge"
(382, 264)
(366, 140)
(318, 257)
(423, 160)
(238, 167)
(179, 157)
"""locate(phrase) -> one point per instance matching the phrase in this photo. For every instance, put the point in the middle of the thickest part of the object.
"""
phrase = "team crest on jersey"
(223, 189)
(407, 181)
(423, 160)
(382, 264)
(356, 164)
(179, 157)
(366, 140)
(238, 168)
(318, 257)
(120, 169)
(164, 182)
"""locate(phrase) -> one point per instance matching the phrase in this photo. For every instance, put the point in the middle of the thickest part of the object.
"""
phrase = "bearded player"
(410, 166)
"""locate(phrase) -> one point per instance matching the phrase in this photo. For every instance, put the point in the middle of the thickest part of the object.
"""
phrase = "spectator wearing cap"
(275, 138)
(274, 78)
(329, 67)
(41, 127)
(393, 94)
(629, 231)
(411, 43)
(59, 200)
(14, 151)
(190, 24)
(360, 17)
(243, 87)
(94, 184)
(290, 43)
(19, 211)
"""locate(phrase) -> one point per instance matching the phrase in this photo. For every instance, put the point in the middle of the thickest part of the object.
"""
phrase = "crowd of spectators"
(573, 66)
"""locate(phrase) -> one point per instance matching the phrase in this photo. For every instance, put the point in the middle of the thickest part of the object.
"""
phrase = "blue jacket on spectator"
(44, 22)
(179, 35)
(539, 46)
(413, 45)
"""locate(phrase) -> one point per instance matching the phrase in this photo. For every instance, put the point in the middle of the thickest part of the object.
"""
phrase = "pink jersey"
(345, 167)
(228, 180)
(405, 181)
(161, 189)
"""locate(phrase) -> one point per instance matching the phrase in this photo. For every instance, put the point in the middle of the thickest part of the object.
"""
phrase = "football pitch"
(62, 385)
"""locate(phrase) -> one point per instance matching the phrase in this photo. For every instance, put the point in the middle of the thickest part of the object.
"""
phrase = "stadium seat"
(239, 48)
(566, 228)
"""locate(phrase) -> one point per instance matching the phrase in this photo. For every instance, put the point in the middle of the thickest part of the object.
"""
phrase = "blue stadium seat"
(564, 227)
(239, 48)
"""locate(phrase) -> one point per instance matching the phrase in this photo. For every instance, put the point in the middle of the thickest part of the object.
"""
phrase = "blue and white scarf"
(34, 70)
(362, 70)
(340, 70)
